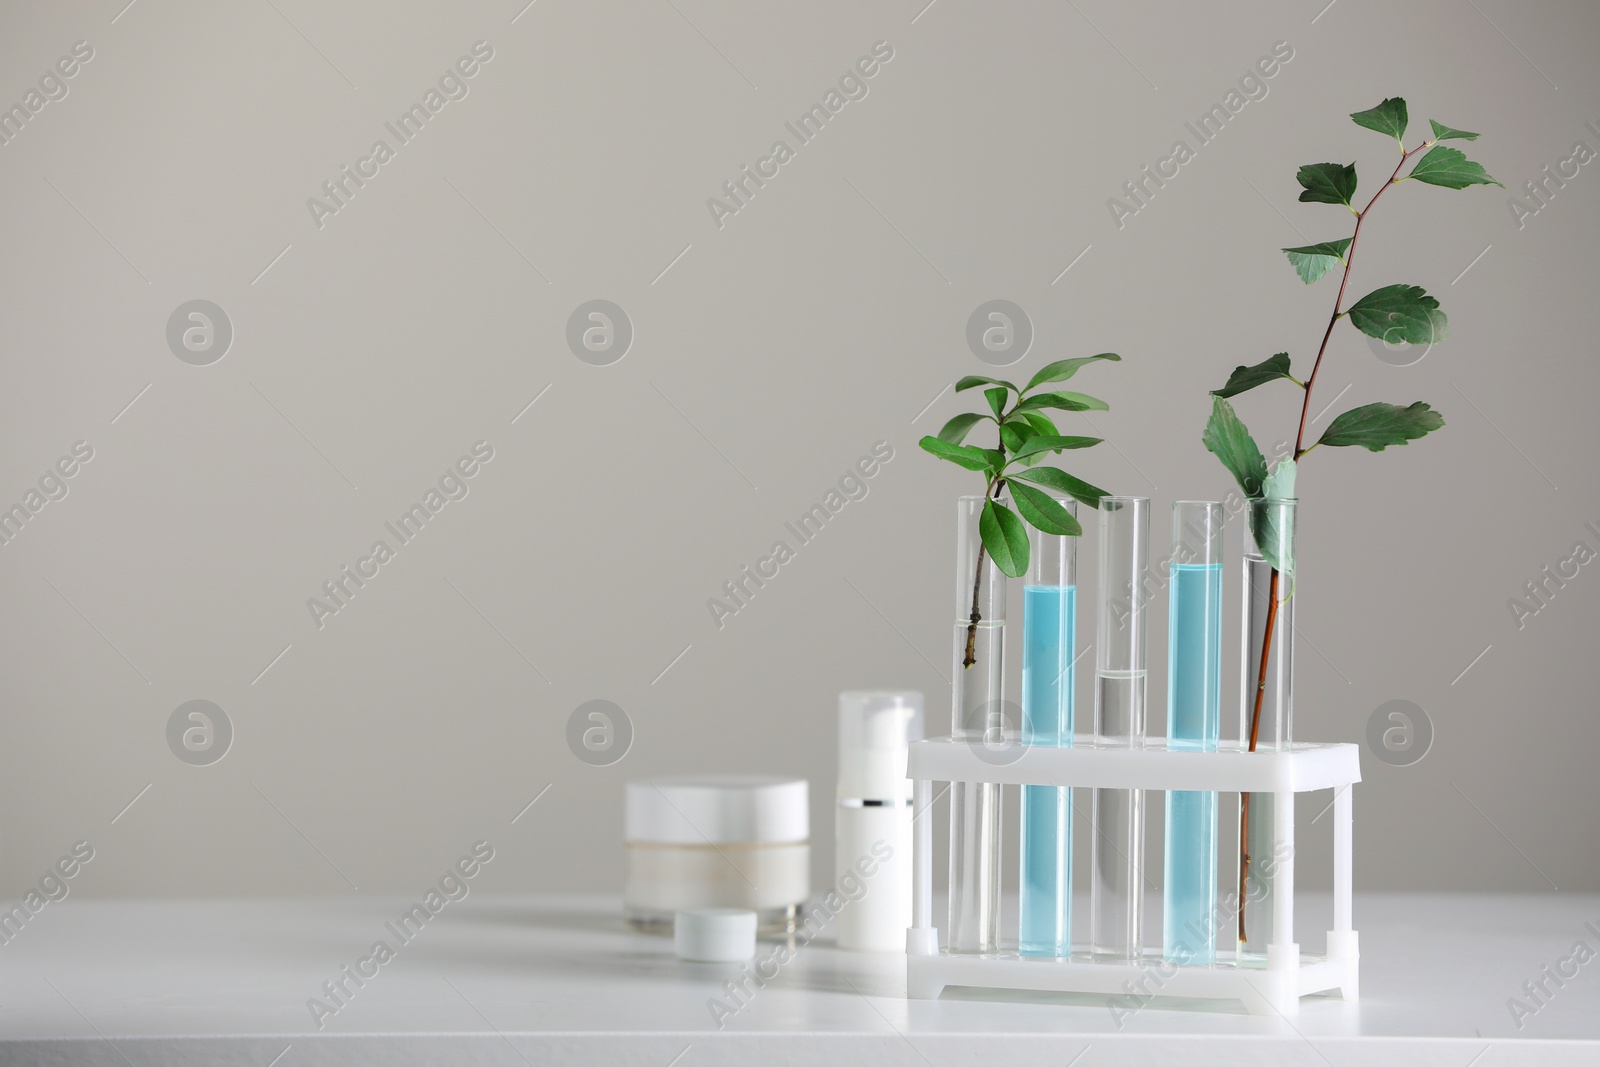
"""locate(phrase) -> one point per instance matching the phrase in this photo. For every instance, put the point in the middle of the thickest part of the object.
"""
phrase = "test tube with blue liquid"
(1049, 646)
(1194, 722)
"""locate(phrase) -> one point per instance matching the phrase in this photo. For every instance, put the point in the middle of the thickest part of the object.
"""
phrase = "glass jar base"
(770, 922)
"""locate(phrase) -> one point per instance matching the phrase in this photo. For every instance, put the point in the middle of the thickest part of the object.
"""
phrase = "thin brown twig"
(971, 656)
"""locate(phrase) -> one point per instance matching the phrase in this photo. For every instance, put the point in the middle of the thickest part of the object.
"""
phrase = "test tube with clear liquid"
(1116, 893)
(1266, 709)
(978, 718)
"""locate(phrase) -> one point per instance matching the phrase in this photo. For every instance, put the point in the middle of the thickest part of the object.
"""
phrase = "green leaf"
(1279, 485)
(1377, 426)
(1062, 369)
(996, 398)
(1313, 261)
(1005, 537)
(1449, 168)
(1441, 132)
(1227, 437)
(955, 431)
(1267, 522)
(1062, 482)
(1399, 313)
(1065, 401)
(974, 459)
(1388, 117)
(1015, 433)
(972, 381)
(1244, 379)
(1044, 512)
(1327, 183)
(1272, 530)
(1048, 443)
(1040, 422)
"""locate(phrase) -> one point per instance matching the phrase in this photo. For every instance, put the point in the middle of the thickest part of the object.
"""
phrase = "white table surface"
(554, 981)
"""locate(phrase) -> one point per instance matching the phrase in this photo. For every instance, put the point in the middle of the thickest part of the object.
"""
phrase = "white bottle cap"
(874, 728)
(719, 809)
(714, 935)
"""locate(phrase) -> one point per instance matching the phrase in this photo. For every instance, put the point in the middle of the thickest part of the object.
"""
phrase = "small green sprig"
(1026, 435)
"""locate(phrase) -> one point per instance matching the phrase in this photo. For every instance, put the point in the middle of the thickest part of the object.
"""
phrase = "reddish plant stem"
(1299, 451)
(1255, 730)
(1338, 301)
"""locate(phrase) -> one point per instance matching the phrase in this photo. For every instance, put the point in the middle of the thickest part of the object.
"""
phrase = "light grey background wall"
(373, 347)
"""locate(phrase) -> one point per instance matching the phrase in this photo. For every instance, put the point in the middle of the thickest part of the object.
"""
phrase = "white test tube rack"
(1273, 987)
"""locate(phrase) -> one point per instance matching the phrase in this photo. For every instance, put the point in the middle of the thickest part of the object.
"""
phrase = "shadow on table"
(544, 916)
(528, 948)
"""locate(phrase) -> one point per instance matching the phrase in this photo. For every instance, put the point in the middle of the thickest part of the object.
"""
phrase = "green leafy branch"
(1392, 314)
(1026, 435)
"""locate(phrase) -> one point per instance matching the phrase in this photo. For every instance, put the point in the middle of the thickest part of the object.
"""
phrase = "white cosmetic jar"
(717, 841)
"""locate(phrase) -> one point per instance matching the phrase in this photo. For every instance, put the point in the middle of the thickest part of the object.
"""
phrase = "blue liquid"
(1194, 699)
(1049, 639)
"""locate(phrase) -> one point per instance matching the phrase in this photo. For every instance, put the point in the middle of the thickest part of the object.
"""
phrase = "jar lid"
(714, 935)
(718, 809)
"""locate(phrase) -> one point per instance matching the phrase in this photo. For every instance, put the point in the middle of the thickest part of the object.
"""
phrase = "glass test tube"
(1270, 525)
(977, 711)
(1049, 645)
(1194, 707)
(1116, 896)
